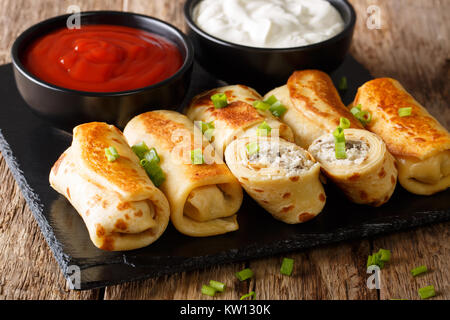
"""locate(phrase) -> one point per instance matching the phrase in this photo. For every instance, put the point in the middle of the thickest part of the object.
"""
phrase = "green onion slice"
(355, 110)
(218, 286)
(384, 255)
(248, 295)
(252, 148)
(244, 274)
(277, 109)
(287, 266)
(208, 129)
(154, 171)
(209, 291)
(427, 292)
(419, 270)
(219, 100)
(364, 117)
(140, 149)
(271, 100)
(197, 156)
(339, 148)
(339, 135)
(111, 154)
(404, 112)
(261, 105)
(263, 129)
(344, 123)
(152, 156)
(343, 83)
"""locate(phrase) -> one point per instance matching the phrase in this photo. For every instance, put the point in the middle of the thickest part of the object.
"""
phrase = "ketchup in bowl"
(102, 58)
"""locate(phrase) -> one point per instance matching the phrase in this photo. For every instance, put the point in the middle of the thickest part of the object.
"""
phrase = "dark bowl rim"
(347, 28)
(187, 63)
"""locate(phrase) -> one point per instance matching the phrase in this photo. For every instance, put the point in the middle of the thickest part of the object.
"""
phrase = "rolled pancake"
(368, 175)
(203, 198)
(119, 204)
(419, 142)
(313, 106)
(238, 119)
(282, 177)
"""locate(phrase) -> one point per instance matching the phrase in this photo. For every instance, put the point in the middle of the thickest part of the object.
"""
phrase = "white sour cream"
(269, 23)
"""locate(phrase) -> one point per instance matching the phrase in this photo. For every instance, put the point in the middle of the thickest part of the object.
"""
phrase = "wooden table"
(411, 46)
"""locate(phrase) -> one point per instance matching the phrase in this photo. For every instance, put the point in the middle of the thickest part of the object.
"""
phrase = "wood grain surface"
(411, 46)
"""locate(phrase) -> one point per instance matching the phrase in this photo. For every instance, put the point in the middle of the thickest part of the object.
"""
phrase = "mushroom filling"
(324, 151)
(289, 157)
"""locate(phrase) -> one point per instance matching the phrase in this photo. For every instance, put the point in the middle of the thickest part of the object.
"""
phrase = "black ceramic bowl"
(264, 68)
(66, 108)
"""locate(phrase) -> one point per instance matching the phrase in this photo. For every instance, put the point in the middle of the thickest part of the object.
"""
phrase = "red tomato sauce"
(102, 58)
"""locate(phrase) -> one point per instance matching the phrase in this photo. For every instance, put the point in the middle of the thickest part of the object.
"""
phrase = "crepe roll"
(238, 119)
(281, 176)
(313, 106)
(204, 198)
(119, 204)
(367, 175)
(417, 140)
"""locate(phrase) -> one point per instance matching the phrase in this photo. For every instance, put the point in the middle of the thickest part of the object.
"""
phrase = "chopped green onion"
(355, 110)
(209, 291)
(140, 149)
(152, 155)
(219, 100)
(364, 117)
(287, 266)
(427, 292)
(244, 274)
(261, 105)
(263, 129)
(197, 156)
(208, 129)
(384, 255)
(419, 270)
(343, 83)
(339, 148)
(248, 295)
(207, 126)
(218, 286)
(344, 123)
(111, 154)
(252, 148)
(339, 135)
(277, 109)
(404, 112)
(271, 100)
(154, 171)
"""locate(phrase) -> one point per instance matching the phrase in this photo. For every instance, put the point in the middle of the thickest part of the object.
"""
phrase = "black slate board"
(31, 146)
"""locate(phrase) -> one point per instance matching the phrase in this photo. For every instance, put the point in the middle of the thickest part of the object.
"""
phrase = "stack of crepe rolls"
(281, 176)
(238, 119)
(313, 106)
(367, 175)
(279, 188)
(119, 204)
(204, 198)
(419, 143)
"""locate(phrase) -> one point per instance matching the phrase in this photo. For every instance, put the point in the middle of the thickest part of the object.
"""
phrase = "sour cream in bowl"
(260, 43)
(269, 23)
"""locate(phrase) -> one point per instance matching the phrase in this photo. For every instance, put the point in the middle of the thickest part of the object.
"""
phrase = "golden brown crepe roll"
(368, 174)
(281, 176)
(238, 119)
(419, 143)
(119, 204)
(313, 106)
(204, 198)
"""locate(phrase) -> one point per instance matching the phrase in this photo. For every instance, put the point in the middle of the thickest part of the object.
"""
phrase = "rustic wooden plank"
(330, 272)
(428, 246)
(27, 267)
